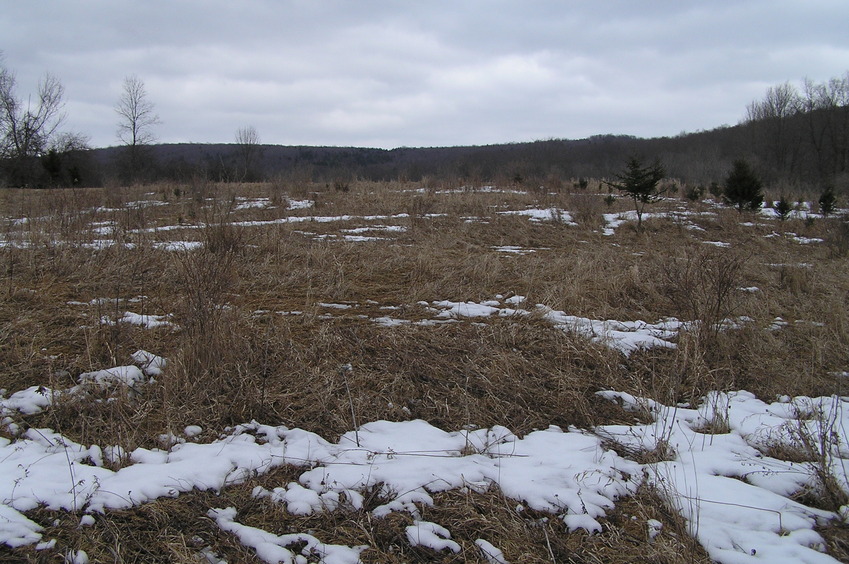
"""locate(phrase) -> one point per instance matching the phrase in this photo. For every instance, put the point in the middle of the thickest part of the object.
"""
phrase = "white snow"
(17, 530)
(513, 249)
(151, 364)
(273, 548)
(192, 431)
(555, 215)
(146, 321)
(465, 309)
(738, 501)
(431, 535)
(126, 375)
(654, 528)
(31, 400)
(624, 336)
(807, 240)
(492, 554)
(252, 203)
(178, 245)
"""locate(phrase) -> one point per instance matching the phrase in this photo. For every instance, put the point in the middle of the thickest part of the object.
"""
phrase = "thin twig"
(343, 371)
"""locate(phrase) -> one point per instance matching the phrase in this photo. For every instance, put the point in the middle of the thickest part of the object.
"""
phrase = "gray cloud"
(384, 73)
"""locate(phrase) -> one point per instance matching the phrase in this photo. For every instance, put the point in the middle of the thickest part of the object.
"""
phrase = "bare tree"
(66, 161)
(27, 128)
(137, 117)
(136, 121)
(771, 117)
(248, 151)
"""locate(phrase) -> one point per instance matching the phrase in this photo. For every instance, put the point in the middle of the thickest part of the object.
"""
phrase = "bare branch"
(137, 116)
(248, 150)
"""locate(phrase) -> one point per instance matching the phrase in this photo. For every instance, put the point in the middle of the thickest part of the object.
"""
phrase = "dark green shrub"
(828, 201)
(783, 208)
(743, 188)
(694, 193)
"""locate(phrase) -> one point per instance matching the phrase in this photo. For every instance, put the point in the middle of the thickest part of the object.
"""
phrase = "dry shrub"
(837, 237)
(418, 209)
(223, 238)
(212, 337)
(836, 535)
(587, 209)
(813, 437)
(794, 279)
(702, 287)
(527, 375)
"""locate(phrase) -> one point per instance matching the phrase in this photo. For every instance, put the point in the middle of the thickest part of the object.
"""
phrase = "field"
(388, 372)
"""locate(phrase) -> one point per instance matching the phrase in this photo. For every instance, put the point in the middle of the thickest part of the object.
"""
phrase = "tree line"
(36, 152)
(795, 138)
(803, 134)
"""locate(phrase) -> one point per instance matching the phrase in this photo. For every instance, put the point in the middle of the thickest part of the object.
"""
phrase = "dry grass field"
(320, 309)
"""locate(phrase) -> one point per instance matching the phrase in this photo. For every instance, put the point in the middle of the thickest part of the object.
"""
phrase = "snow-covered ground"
(715, 471)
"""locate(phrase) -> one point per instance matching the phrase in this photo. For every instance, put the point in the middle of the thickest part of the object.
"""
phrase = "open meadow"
(419, 372)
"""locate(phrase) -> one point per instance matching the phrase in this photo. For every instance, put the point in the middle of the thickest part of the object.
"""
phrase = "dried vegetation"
(258, 340)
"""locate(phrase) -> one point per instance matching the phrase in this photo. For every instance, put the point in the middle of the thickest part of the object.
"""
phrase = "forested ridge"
(795, 137)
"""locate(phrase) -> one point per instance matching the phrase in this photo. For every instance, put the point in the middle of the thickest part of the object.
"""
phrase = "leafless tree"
(136, 121)
(68, 142)
(248, 151)
(26, 129)
(771, 117)
(136, 115)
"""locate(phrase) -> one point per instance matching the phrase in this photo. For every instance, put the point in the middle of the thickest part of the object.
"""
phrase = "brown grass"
(235, 357)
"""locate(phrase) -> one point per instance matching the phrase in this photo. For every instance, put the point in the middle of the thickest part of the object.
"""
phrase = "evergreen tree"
(743, 188)
(783, 208)
(828, 201)
(640, 182)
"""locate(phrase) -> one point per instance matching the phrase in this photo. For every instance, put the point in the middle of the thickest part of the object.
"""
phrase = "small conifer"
(743, 188)
(828, 201)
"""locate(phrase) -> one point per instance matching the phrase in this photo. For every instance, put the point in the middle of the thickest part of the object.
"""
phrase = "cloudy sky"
(381, 73)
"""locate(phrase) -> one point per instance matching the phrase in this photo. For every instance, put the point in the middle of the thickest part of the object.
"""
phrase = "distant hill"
(784, 154)
(698, 157)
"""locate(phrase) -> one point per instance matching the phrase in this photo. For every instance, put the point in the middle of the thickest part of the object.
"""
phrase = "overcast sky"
(427, 73)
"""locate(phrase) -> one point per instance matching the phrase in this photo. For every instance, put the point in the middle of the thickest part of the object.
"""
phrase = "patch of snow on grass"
(806, 240)
(555, 215)
(431, 535)
(252, 203)
(512, 249)
(625, 336)
(274, 548)
(16, 529)
(29, 401)
(146, 321)
(126, 375)
(151, 364)
(492, 554)
(738, 502)
(177, 245)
